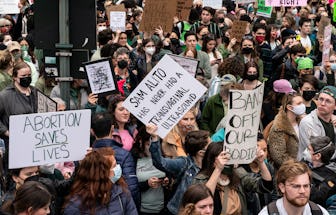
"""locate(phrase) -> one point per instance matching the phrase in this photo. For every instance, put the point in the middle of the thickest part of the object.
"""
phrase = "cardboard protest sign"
(164, 96)
(285, 3)
(118, 20)
(44, 103)
(114, 8)
(183, 9)
(326, 44)
(242, 124)
(9, 7)
(264, 10)
(189, 64)
(238, 30)
(216, 4)
(158, 13)
(45, 138)
(244, 1)
(100, 76)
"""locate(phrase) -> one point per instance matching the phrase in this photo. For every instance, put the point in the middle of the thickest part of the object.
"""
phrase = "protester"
(6, 67)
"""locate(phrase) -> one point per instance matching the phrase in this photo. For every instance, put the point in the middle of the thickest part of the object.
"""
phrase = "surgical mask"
(122, 64)
(25, 81)
(333, 66)
(117, 174)
(24, 48)
(252, 77)
(260, 39)
(308, 95)
(47, 169)
(221, 20)
(101, 28)
(223, 182)
(294, 11)
(246, 50)
(307, 156)
(299, 109)
(150, 50)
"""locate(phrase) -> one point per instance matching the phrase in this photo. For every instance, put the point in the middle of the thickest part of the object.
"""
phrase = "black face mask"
(174, 41)
(25, 82)
(246, 50)
(252, 77)
(221, 20)
(129, 33)
(204, 36)
(122, 64)
(308, 94)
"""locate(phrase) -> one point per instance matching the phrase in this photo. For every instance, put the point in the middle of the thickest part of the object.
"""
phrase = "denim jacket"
(184, 168)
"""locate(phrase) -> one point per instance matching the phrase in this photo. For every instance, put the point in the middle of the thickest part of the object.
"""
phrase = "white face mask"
(7, 42)
(307, 156)
(150, 50)
(299, 109)
(223, 182)
(101, 28)
(294, 11)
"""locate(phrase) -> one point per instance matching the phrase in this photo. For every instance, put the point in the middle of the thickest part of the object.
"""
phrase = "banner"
(242, 124)
(264, 10)
(285, 3)
(45, 138)
(164, 96)
(9, 7)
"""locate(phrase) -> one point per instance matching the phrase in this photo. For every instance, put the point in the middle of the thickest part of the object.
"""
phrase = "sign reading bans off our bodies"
(45, 138)
(164, 96)
(242, 124)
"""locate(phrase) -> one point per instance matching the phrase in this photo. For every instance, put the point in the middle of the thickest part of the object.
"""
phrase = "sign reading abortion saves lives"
(242, 124)
(44, 138)
(164, 96)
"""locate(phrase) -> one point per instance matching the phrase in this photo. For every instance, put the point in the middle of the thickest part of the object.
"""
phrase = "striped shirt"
(212, 27)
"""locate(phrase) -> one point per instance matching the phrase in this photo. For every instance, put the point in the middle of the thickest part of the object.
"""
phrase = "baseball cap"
(283, 86)
(228, 79)
(330, 90)
(305, 63)
(13, 46)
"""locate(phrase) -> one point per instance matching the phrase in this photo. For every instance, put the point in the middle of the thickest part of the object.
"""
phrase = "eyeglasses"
(327, 101)
(299, 186)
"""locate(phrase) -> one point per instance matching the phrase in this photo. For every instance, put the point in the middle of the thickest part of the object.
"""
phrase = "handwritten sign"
(44, 103)
(326, 43)
(101, 77)
(158, 13)
(216, 4)
(165, 95)
(9, 7)
(244, 1)
(238, 30)
(114, 8)
(242, 124)
(45, 138)
(263, 10)
(285, 3)
(118, 20)
(183, 9)
(189, 64)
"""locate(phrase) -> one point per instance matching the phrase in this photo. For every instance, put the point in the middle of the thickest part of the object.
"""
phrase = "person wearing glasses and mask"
(320, 121)
(294, 180)
(318, 155)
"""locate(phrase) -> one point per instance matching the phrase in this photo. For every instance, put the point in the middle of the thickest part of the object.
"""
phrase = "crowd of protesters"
(129, 170)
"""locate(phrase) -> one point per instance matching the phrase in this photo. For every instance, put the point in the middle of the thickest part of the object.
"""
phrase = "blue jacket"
(125, 159)
(121, 203)
(183, 168)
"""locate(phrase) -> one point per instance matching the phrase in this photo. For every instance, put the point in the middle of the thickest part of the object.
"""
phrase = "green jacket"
(212, 114)
(5, 80)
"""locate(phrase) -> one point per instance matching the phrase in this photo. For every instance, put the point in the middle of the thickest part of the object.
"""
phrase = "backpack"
(273, 210)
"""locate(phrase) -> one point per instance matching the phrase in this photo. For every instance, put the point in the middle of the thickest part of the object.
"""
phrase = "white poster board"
(9, 7)
(189, 64)
(216, 4)
(45, 138)
(242, 124)
(118, 20)
(164, 96)
(44, 103)
(326, 43)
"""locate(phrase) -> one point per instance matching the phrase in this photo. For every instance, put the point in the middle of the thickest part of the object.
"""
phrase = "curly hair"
(231, 65)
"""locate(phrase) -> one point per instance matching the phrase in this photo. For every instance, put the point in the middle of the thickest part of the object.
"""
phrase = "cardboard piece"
(238, 30)
(242, 124)
(46, 138)
(158, 13)
(111, 8)
(164, 96)
(183, 9)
